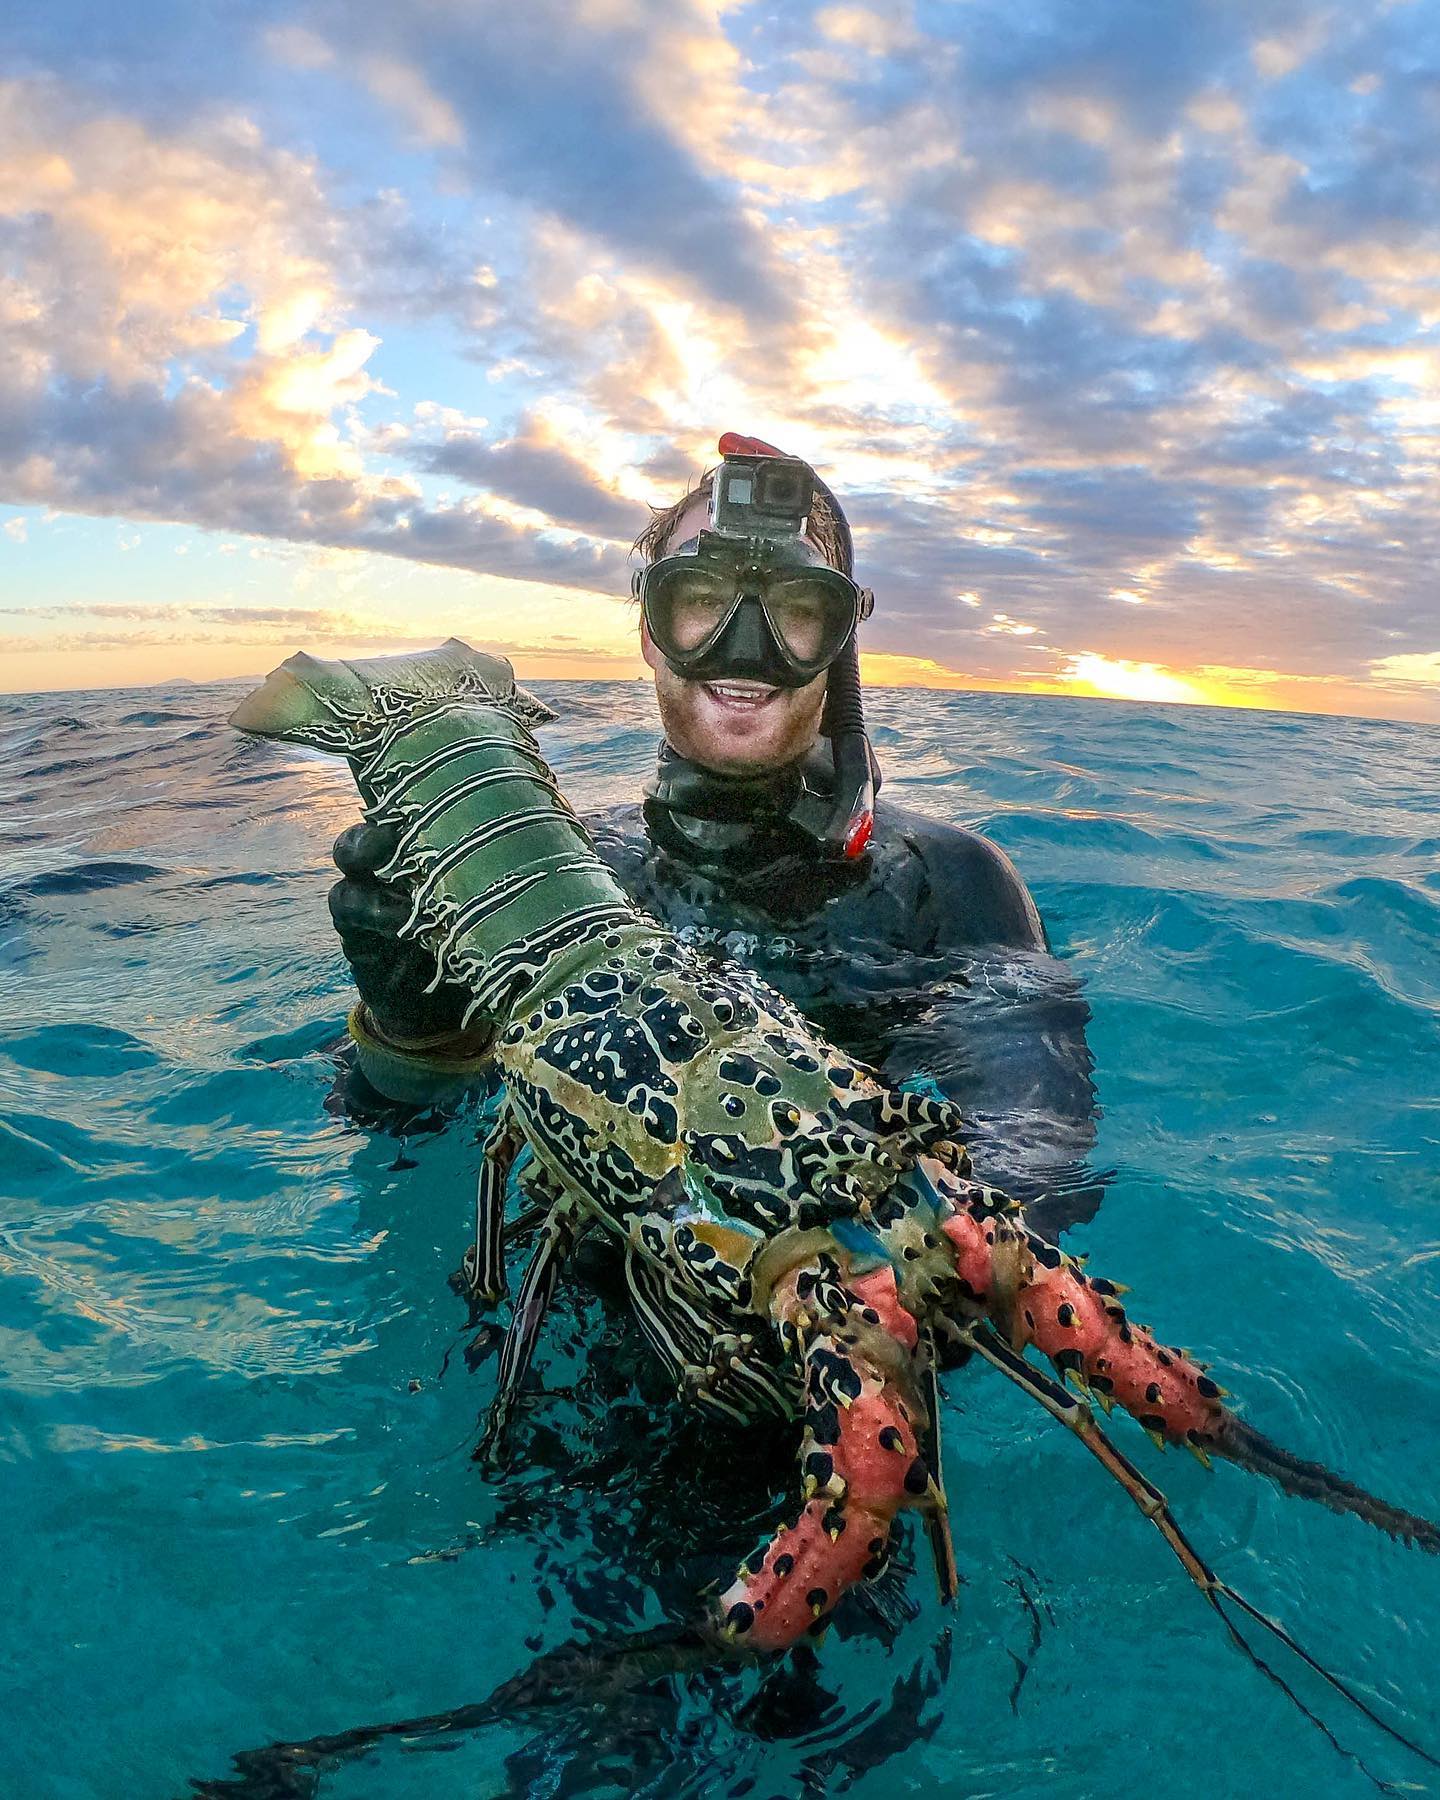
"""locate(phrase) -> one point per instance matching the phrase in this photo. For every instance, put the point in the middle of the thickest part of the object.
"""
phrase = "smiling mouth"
(747, 696)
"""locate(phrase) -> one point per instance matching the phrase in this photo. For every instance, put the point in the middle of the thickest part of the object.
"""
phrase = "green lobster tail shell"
(506, 887)
(306, 692)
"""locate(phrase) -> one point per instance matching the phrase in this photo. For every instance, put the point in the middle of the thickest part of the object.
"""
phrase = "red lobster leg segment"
(1038, 1295)
(1035, 1294)
(802, 1574)
(860, 1459)
(879, 1292)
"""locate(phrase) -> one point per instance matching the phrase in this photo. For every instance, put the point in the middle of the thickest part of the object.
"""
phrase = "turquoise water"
(235, 1408)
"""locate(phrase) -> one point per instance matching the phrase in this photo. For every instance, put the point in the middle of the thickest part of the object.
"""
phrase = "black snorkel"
(738, 600)
(857, 774)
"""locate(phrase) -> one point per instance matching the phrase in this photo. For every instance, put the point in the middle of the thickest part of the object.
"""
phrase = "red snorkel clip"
(858, 836)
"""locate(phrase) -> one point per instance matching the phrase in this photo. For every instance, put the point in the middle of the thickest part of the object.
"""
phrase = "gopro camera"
(762, 497)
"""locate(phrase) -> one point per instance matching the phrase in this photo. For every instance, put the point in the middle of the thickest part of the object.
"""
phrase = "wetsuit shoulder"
(972, 890)
(924, 885)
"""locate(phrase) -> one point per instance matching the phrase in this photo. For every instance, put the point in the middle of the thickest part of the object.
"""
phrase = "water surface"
(235, 1408)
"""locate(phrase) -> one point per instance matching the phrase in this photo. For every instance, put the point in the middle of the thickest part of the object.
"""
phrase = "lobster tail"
(505, 885)
(327, 704)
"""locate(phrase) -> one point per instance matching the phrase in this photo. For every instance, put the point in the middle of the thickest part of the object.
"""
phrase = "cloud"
(179, 348)
(1422, 667)
(1116, 328)
(575, 113)
(99, 625)
(304, 618)
(536, 472)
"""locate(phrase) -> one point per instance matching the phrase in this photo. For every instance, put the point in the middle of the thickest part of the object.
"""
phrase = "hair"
(822, 528)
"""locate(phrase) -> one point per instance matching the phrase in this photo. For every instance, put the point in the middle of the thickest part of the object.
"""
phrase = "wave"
(235, 1385)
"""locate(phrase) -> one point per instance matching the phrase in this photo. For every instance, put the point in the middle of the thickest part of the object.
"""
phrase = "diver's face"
(733, 727)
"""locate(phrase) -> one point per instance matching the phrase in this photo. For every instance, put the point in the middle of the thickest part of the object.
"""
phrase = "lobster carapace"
(798, 1238)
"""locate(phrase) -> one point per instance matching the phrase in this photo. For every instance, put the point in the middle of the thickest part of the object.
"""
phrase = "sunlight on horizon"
(1090, 676)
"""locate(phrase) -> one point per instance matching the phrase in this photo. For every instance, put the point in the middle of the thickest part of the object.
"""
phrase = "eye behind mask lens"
(811, 612)
(813, 620)
(690, 604)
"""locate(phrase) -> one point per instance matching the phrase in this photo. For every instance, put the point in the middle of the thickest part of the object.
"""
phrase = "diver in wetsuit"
(912, 943)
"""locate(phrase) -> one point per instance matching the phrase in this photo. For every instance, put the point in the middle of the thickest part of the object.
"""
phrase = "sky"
(1115, 326)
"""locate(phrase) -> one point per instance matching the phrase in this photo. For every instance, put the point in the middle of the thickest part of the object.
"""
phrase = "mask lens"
(688, 606)
(813, 617)
(704, 611)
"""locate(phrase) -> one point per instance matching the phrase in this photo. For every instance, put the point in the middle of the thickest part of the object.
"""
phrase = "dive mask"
(752, 598)
(749, 609)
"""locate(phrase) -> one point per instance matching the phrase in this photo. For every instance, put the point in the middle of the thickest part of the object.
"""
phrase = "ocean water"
(237, 1396)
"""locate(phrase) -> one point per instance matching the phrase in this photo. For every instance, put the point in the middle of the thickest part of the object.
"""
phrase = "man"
(914, 944)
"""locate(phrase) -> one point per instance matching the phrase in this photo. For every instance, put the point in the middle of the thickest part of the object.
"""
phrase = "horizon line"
(956, 686)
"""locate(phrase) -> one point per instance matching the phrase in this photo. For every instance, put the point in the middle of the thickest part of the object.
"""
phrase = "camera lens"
(780, 490)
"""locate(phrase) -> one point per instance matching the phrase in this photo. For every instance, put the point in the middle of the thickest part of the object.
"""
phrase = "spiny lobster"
(799, 1240)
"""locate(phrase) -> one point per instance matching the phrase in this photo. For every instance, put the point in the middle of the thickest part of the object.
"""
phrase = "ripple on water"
(77, 1050)
(84, 878)
(237, 1412)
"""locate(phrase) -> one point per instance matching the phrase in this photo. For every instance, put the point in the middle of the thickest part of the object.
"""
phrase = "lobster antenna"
(1254, 1658)
(1252, 1450)
(1077, 1417)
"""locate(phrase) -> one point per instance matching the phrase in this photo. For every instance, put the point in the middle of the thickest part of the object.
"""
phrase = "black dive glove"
(391, 976)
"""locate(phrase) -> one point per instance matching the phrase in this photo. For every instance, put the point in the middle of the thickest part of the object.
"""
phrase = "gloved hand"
(391, 976)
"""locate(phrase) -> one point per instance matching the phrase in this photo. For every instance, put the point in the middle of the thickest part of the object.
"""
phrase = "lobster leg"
(557, 1239)
(1077, 1417)
(864, 1420)
(1036, 1294)
(557, 1679)
(485, 1260)
(937, 1518)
